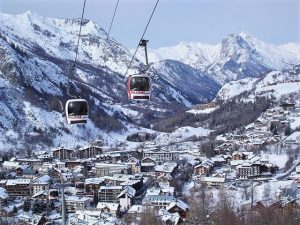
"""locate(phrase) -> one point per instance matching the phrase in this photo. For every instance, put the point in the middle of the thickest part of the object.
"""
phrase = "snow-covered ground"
(274, 84)
(202, 111)
(235, 88)
(179, 135)
(277, 159)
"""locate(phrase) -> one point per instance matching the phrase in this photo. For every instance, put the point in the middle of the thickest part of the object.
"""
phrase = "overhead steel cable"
(73, 67)
(112, 20)
(104, 59)
(141, 37)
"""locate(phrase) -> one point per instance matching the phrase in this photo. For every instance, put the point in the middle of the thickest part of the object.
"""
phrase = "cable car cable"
(112, 20)
(73, 67)
(77, 109)
(141, 37)
(104, 59)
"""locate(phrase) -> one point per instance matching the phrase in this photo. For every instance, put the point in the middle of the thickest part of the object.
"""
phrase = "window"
(140, 84)
(78, 108)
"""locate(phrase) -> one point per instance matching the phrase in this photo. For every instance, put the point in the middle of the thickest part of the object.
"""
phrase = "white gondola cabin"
(77, 111)
(139, 87)
(53, 194)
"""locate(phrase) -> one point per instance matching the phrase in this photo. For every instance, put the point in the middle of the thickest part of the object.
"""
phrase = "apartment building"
(109, 193)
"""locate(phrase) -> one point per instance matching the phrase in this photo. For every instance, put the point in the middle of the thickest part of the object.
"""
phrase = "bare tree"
(200, 203)
(223, 213)
(150, 217)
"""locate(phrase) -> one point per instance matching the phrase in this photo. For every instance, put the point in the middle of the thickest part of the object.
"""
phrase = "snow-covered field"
(201, 111)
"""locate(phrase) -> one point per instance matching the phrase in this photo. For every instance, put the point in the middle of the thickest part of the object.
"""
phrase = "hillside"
(239, 103)
(35, 54)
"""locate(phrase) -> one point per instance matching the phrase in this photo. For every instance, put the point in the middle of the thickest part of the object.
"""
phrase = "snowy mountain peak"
(29, 14)
(58, 37)
(236, 57)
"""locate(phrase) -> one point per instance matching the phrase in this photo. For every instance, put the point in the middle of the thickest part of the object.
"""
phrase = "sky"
(175, 21)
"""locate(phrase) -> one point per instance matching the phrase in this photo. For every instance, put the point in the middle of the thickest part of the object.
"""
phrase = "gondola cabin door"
(139, 87)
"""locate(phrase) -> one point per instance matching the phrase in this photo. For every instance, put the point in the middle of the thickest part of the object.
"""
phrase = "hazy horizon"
(175, 21)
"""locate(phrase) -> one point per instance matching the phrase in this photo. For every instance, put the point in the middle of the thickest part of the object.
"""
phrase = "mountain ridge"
(36, 52)
(242, 51)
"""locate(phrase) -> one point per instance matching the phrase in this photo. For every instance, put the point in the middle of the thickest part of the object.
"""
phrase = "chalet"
(161, 156)
(134, 181)
(213, 181)
(148, 164)
(126, 197)
(92, 185)
(70, 164)
(111, 208)
(204, 168)
(38, 186)
(158, 201)
(109, 157)
(68, 176)
(75, 202)
(135, 211)
(218, 160)
(46, 157)
(79, 188)
(55, 174)
(30, 162)
(166, 168)
(60, 165)
(103, 169)
(90, 151)
(179, 207)
(170, 218)
(31, 219)
(19, 187)
(63, 154)
(9, 165)
(45, 168)
(24, 170)
(135, 165)
(104, 157)
(237, 156)
(42, 195)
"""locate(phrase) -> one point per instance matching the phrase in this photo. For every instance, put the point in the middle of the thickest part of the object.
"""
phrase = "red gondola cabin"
(139, 87)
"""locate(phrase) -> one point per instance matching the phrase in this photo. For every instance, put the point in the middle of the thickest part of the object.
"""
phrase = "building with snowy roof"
(75, 202)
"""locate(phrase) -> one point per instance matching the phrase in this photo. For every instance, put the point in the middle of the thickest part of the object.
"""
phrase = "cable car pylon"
(139, 85)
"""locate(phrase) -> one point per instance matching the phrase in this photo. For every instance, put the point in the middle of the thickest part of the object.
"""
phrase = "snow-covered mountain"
(241, 102)
(236, 57)
(197, 55)
(276, 85)
(35, 53)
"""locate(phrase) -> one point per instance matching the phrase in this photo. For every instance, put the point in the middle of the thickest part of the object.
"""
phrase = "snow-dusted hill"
(236, 57)
(275, 85)
(239, 103)
(34, 55)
